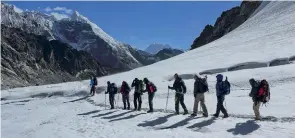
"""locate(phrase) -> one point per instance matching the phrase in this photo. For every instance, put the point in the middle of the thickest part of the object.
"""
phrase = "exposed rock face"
(168, 53)
(29, 59)
(228, 21)
(77, 31)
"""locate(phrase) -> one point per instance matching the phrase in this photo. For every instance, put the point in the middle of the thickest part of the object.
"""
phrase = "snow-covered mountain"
(77, 31)
(155, 48)
(261, 48)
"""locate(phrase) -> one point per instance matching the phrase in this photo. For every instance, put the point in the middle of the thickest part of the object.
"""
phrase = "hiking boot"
(225, 116)
(215, 115)
(150, 111)
(205, 115)
(128, 108)
(257, 118)
(185, 112)
(177, 113)
(193, 115)
(135, 109)
(138, 109)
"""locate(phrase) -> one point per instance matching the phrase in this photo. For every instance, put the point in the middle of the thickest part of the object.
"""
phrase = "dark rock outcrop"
(29, 59)
(228, 21)
(168, 53)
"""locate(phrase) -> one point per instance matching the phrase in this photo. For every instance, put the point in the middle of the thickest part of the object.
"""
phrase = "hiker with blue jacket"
(220, 93)
(93, 83)
(180, 90)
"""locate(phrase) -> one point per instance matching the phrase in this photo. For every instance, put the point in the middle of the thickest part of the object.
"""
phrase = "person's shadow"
(158, 121)
(202, 124)
(244, 128)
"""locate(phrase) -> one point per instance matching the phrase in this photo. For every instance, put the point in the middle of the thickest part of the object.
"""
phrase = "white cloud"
(64, 9)
(18, 10)
(59, 16)
(48, 9)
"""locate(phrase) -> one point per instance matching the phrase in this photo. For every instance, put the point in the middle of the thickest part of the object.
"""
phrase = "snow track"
(261, 48)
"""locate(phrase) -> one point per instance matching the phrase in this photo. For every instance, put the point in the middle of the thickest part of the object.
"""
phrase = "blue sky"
(142, 23)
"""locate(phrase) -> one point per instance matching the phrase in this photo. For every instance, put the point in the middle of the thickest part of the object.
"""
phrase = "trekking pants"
(179, 98)
(256, 106)
(137, 98)
(125, 98)
(112, 99)
(200, 97)
(92, 90)
(220, 106)
(151, 97)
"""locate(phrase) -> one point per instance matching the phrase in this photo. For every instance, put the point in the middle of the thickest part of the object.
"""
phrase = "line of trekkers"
(260, 94)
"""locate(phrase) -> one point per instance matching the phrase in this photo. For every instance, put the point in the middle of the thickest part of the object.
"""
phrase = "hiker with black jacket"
(200, 87)
(180, 89)
(260, 94)
(112, 91)
(220, 96)
(151, 89)
(138, 84)
(124, 90)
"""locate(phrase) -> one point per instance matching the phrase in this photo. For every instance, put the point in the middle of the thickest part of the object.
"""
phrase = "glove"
(169, 87)
(195, 95)
(105, 92)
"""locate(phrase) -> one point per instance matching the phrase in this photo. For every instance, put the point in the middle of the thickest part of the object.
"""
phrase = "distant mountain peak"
(156, 47)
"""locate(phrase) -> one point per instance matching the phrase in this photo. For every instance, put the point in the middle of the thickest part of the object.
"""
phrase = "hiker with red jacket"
(260, 94)
(151, 89)
(125, 89)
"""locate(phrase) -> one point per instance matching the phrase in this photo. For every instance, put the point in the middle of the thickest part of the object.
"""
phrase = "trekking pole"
(225, 104)
(118, 100)
(105, 101)
(167, 101)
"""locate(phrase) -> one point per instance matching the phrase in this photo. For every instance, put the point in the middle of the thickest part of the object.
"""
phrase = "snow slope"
(64, 110)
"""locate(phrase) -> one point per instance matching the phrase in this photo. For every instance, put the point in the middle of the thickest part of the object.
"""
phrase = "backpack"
(152, 88)
(225, 87)
(204, 85)
(114, 88)
(95, 81)
(266, 95)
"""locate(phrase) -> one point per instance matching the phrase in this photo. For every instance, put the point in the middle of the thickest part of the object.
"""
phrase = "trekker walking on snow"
(220, 97)
(112, 91)
(93, 83)
(151, 89)
(260, 94)
(138, 84)
(125, 89)
(200, 87)
(180, 89)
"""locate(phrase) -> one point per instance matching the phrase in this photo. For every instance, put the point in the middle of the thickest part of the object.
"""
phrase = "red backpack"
(263, 92)
(152, 87)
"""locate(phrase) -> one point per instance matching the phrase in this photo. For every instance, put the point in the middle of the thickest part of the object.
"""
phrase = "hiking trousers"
(137, 99)
(125, 98)
(179, 98)
(220, 107)
(92, 90)
(150, 98)
(200, 97)
(256, 106)
(112, 100)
